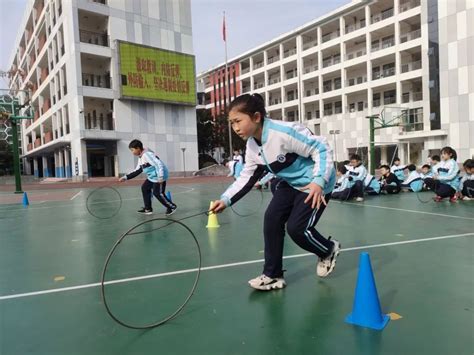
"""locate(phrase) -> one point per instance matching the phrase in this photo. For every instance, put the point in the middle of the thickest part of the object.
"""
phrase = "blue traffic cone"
(168, 195)
(25, 200)
(366, 310)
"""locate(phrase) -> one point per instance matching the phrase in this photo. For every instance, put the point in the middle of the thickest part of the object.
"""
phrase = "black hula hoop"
(111, 253)
(98, 189)
(418, 196)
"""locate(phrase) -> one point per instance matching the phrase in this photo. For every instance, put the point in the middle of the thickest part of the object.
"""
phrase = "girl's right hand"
(218, 206)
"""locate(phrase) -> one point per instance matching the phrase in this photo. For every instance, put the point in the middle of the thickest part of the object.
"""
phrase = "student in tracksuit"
(445, 182)
(398, 169)
(371, 185)
(413, 182)
(357, 173)
(304, 164)
(342, 190)
(388, 181)
(466, 186)
(157, 174)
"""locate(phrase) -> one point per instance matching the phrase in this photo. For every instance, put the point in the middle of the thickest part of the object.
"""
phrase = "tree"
(6, 158)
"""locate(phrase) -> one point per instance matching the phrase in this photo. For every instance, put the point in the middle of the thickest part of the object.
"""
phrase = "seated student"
(357, 173)
(235, 168)
(372, 186)
(389, 182)
(398, 169)
(467, 182)
(342, 190)
(445, 181)
(426, 171)
(413, 182)
(435, 160)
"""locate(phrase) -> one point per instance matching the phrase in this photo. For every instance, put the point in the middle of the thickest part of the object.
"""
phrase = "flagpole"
(226, 86)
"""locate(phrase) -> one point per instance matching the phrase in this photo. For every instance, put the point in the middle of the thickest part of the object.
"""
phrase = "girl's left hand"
(315, 195)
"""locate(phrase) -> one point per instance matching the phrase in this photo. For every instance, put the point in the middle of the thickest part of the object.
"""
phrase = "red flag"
(223, 29)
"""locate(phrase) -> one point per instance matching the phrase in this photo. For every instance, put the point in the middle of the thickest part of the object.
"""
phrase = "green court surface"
(52, 254)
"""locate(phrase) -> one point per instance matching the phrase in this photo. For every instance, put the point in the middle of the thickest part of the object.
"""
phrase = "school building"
(362, 59)
(66, 55)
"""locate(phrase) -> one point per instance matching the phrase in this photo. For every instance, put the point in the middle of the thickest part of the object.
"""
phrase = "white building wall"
(162, 127)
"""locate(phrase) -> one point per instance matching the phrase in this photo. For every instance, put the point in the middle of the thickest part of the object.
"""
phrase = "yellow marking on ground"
(59, 278)
(261, 251)
(394, 316)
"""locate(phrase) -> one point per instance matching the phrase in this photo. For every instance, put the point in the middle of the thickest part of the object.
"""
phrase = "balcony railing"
(103, 122)
(356, 81)
(412, 96)
(410, 36)
(311, 92)
(310, 69)
(411, 66)
(289, 53)
(356, 54)
(98, 81)
(309, 45)
(273, 59)
(332, 61)
(328, 36)
(272, 81)
(258, 85)
(382, 16)
(258, 65)
(356, 26)
(245, 71)
(100, 39)
(275, 101)
(409, 5)
(383, 74)
(291, 75)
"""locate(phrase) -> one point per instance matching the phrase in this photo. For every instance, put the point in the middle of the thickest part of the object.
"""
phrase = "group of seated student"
(442, 176)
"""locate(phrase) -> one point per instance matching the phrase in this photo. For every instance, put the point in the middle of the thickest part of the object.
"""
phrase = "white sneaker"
(466, 198)
(326, 266)
(266, 283)
(359, 199)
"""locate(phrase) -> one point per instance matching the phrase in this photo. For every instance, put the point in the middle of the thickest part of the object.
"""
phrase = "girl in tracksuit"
(445, 181)
(398, 169)
(304, 164)
(157, 174)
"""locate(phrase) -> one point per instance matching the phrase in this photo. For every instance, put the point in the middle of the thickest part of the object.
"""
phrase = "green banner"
(155, 74)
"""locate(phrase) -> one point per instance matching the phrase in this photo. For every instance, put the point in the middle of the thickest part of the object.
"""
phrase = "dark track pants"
(287, 207)
(158, 189)
(442, 190)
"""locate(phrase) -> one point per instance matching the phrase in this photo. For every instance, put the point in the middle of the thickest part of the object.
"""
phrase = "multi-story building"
(368, 58)
(66, 56)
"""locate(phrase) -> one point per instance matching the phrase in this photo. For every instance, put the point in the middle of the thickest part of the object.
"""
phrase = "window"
(376, 100)
(338, 107)
(352, 107)
(389, 97)
(360, 106)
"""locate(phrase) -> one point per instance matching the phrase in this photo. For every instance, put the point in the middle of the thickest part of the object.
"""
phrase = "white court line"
(189, 189)
(73, 197)
(222, 266)
(404, 210)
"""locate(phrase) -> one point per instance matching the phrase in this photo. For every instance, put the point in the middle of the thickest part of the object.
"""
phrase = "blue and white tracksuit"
(398, 171)
(157, 174)
(357, 175)
(342, 191)
(371, 185)
(293, 154)
(413, 182)
(447, 180)
(466, 186)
